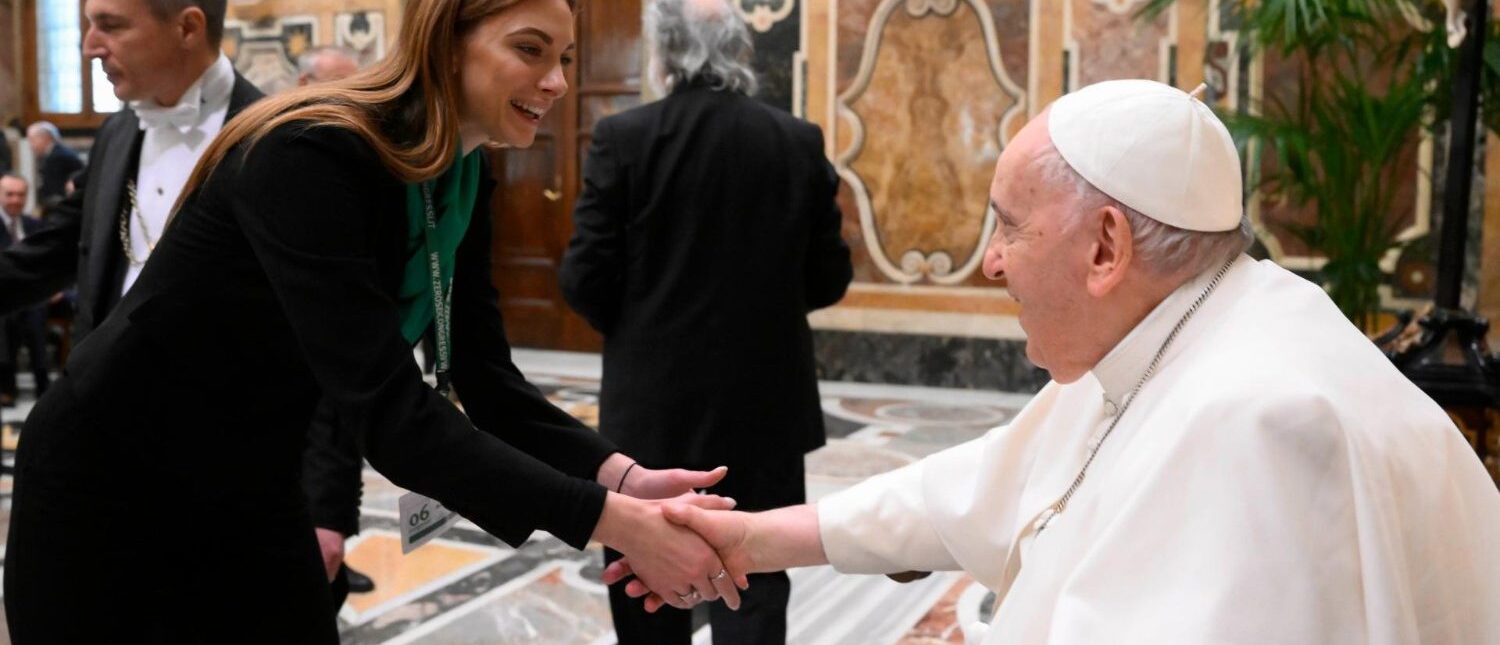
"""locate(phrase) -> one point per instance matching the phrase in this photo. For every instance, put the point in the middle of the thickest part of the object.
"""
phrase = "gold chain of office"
(132, 206)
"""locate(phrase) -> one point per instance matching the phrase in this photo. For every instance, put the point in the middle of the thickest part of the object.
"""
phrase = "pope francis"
(1220, 457)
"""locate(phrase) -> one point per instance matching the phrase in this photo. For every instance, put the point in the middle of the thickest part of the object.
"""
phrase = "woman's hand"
(621, 474)
(725, 531)
(745, 542)
(671, 561)
(646, 483)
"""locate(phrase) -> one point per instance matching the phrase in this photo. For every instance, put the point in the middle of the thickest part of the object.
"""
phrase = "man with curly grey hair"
(706, 231)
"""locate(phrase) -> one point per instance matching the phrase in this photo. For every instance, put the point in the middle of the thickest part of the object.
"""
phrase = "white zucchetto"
(1154, 148)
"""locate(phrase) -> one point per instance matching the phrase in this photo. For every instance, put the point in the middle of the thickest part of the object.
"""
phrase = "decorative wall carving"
(266, 52)
(1108, 44)
(928, 113)
(764, 14)
(363, 32)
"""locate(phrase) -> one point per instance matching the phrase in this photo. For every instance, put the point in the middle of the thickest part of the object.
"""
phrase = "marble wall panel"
(1109, 42)
(1487, 302)
(843, 30)
(926, 112)
(927, 150)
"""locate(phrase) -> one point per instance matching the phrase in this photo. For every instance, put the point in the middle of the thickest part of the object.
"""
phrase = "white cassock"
(1277, 481)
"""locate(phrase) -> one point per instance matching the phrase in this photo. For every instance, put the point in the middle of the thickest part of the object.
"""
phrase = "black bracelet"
(621, 488)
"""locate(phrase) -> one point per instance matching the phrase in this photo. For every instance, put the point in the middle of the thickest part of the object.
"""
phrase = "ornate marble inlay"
(928, 112)
(266, 53)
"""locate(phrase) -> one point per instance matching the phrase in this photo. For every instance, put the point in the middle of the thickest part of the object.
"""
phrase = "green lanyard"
(442, 301)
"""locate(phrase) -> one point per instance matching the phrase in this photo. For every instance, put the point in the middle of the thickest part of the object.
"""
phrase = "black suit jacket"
(257, 304)
(706, 231)
(80, 240)
(29, 225)
(199, 387)
(60, 164)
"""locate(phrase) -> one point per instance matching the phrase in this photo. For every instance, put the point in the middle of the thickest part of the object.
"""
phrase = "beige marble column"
(817, 21)
(1046, 54)
(1192, 42)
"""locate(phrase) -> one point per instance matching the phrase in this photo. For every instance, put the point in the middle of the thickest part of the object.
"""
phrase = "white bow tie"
(180, 117)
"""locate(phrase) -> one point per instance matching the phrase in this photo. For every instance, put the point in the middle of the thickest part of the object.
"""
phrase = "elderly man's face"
(12, 195)
(1043, 263)
(40, 142)
(328, 68)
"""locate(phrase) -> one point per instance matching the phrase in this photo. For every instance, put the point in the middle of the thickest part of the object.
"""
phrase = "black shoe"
(358, 582)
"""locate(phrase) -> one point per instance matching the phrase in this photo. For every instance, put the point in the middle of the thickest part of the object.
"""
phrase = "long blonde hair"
(405, 106)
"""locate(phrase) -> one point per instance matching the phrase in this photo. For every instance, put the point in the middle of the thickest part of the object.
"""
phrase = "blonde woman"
(322, 232)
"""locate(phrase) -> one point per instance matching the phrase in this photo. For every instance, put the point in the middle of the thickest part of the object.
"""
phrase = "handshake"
(680, 550)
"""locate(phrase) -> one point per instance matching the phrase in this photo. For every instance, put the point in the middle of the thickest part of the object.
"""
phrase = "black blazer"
(254, 305)
(60, 164)
(706, 231)
(81, 238)
(29, 225)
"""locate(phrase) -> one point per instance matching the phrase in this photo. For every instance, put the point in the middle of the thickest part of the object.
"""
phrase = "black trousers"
(86, 562)
(26, 328)
(339, 588)
(761, 619)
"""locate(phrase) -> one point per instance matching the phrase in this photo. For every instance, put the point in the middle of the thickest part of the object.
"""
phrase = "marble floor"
(468, 587)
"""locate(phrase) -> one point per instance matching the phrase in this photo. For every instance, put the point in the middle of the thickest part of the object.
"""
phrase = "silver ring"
(723, 573)
(690, 596)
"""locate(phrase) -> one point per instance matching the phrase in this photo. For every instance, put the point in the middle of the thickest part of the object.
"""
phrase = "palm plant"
(1366, 81)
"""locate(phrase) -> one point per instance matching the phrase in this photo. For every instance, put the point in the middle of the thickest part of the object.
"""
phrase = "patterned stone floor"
(468, 587)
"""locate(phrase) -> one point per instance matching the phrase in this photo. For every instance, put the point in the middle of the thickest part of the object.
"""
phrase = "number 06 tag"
(422, 519)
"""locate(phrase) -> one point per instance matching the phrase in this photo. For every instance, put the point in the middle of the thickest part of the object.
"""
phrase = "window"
(61, 85)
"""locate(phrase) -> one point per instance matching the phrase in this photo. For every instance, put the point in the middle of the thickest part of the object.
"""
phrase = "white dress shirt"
(13, 226)
(1277, 481)
(176, 137)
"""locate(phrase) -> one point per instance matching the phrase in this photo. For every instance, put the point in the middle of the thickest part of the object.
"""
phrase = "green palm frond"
(1292, 24)
(1367, 83)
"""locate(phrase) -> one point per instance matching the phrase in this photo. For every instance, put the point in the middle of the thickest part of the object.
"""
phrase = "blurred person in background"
(700, 271)
(325, 63)
(55, 162)
(27, 327)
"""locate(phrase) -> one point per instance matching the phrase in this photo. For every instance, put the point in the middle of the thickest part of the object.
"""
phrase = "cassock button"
(159, 191)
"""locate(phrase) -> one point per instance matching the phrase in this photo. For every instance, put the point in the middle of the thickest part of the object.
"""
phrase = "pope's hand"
(647, 483)
(725, 531)
(670, 561)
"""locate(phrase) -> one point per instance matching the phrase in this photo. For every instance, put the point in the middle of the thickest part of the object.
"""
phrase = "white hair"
(1162, 248)
(699, 41)
(47, 127)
